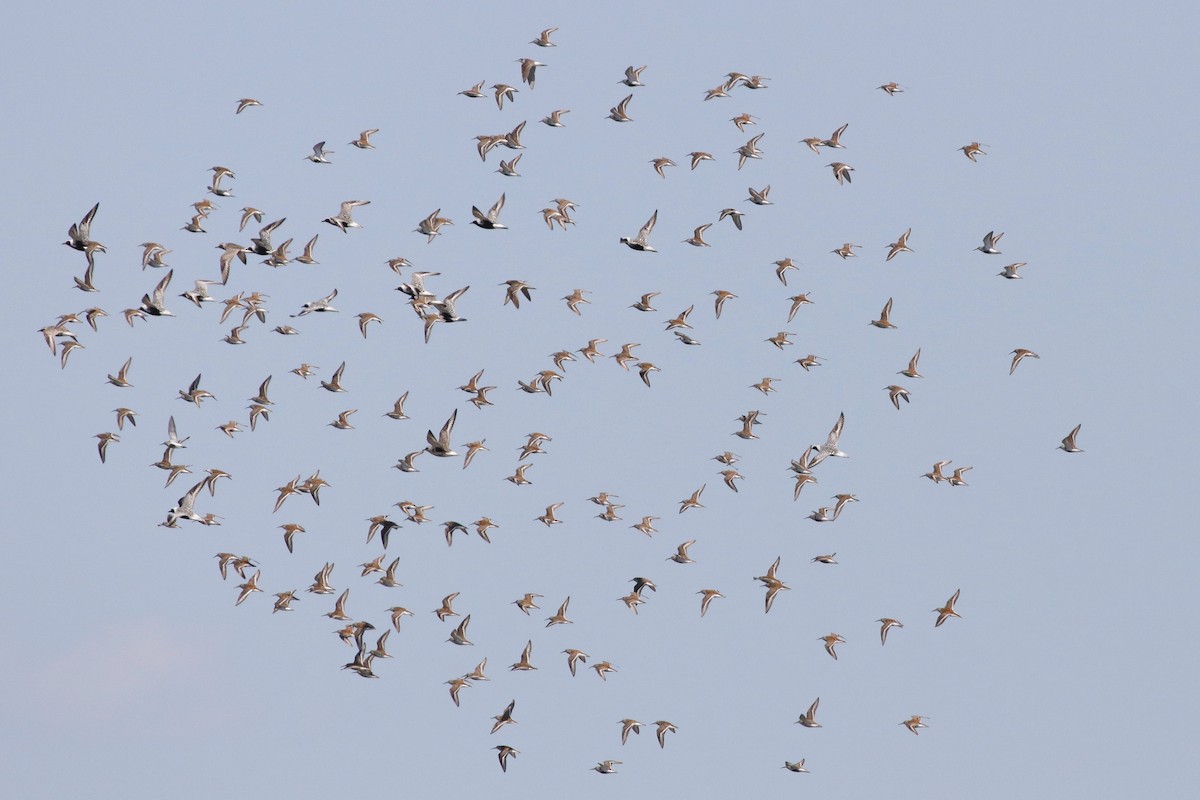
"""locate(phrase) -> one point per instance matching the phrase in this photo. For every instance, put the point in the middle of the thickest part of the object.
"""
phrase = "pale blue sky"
(1070, 674)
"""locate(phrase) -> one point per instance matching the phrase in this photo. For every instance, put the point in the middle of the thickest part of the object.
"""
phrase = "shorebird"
(749, 150)
(389, 575)
(509, 168)
(219, 173)
(895, 393)
(154, 303)
(194, 393)
(456, 685)
(342, 422)
(664, 728)
(748, 420)
(832, 640)
(699, 155)
(781, 268)
(609, 514)
(733, 214)
(841, 172)
(318, 306)
(794, 766)
(639, 242)
(1019, 354)
(884, 321)
(491, 220)
(809, 718)
(715, 92)
(504, 752)
(681, 553)
(708, 596)
(694, 500)
(722, 296)
(431, 226)
(398, 613)
(518, 477)
(87, 282)
(246, 102)
(681, 320)
(79, 236)
(283, 601)
(797, 301)
(825, 559)
(603, 668)
(475, 91)
(363, 142)
(459, 634)
(447, 608)
(781, 340)
(618, 112)
(626, 355)
(334, 384)
(102, 445)
(573, 657)
(560, 616)
(339, 607)
(643, 304)
(633, 76)
(765, 386)
(759, 196)
(515, 289)
(249, 587)
(365, 319)
(887, 623)
(123, 415)
(343, 220)
(524, 664)
(846, 250)
(742, 120)
(945, 612)
(911, 370)
(526, 603)
(548, 518)
(661, 163)
(504, 717)
(543, 39)
(319, 154)
(729, 476)
(830, 447)
(573, 300)
(1010, 271)
(899, 246)
(629, 726)
(91, 315)
(935, 474)
(606, 767)
(554, 120)
(475, 447)
(152, 254)
(67, 348)
(772, 583)
(646, 526)
(957, 478)
(892, 88)
(321, 581)
(1068, 442)
(529, 70)
(477, 674)
(990, 240)
(972, 150)
(913, 723)
(440, 445)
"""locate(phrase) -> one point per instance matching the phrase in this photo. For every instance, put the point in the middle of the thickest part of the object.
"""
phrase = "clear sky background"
(128, 669)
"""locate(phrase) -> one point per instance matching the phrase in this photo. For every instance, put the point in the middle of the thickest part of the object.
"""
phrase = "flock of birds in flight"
(433, 310)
